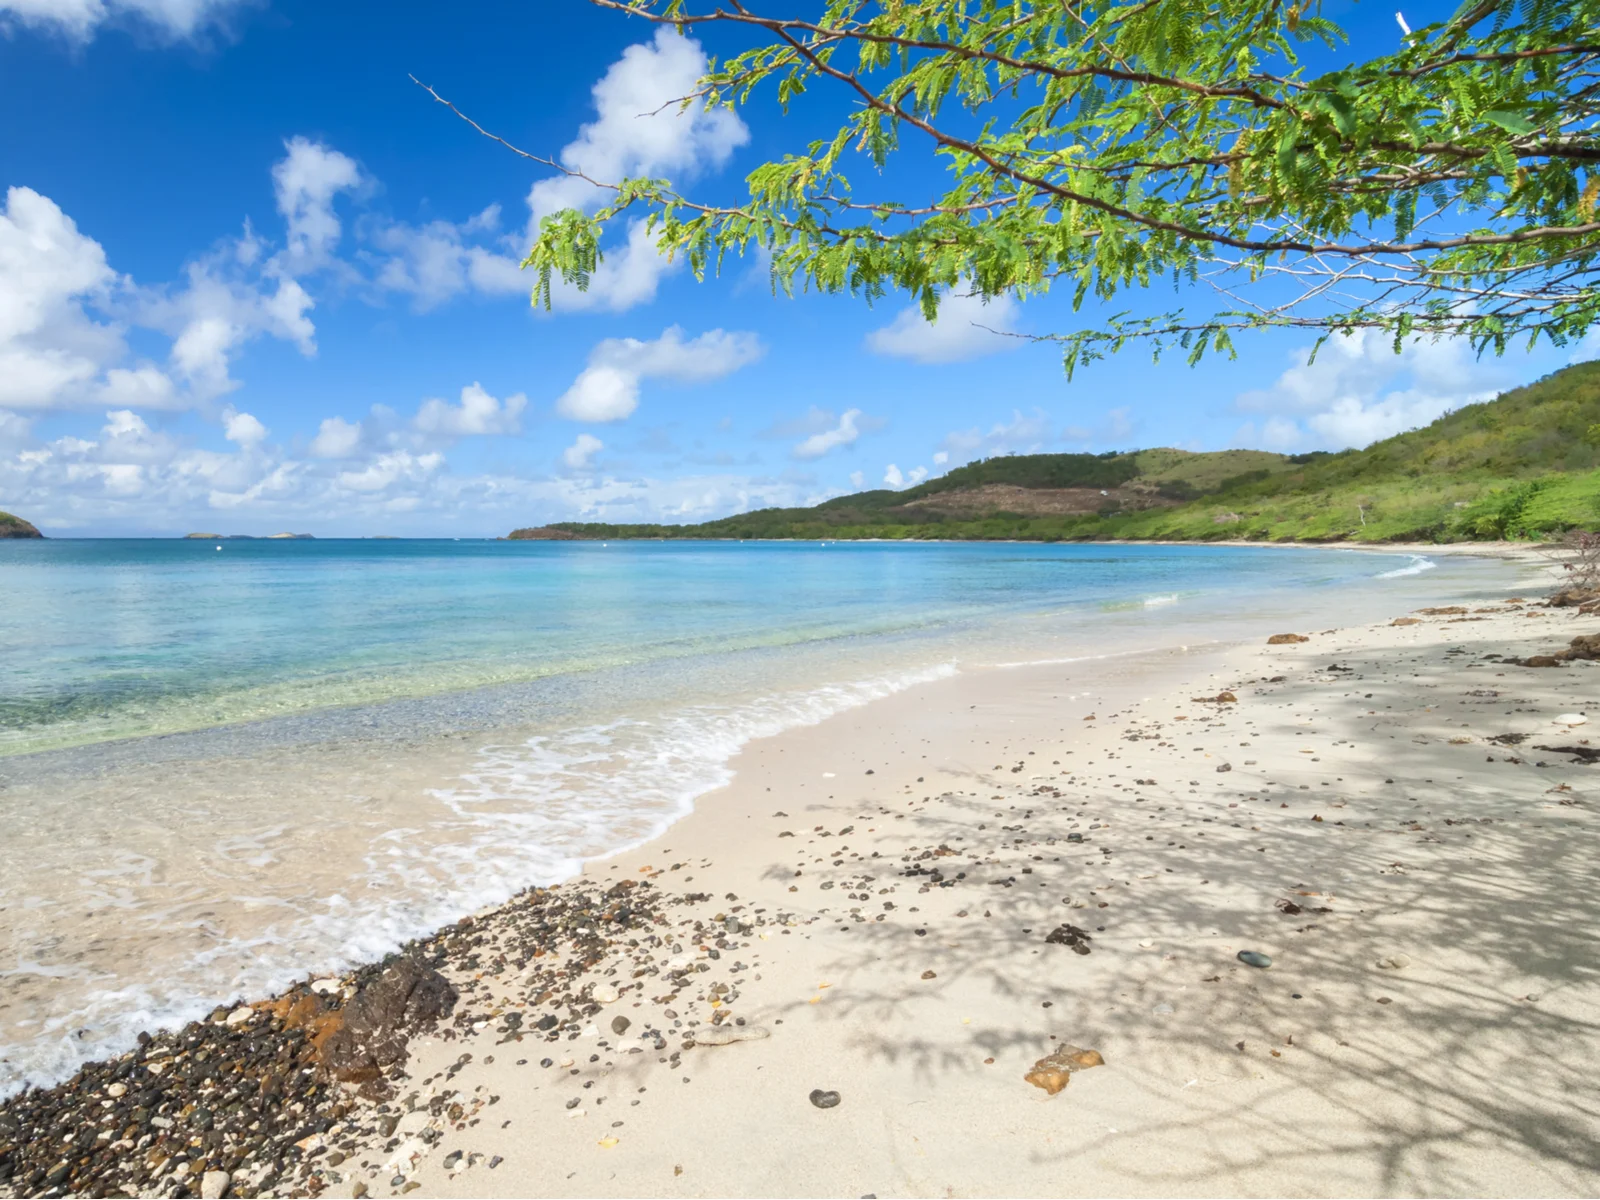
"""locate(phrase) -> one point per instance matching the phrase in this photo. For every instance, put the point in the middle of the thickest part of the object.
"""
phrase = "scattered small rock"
(1254, 958)
(822, 1099)
(1070, 935)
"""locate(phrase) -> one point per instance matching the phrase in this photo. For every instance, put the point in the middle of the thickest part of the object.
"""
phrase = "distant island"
(1524, 465)
(248, 537)
(16, 527)
(543, 533)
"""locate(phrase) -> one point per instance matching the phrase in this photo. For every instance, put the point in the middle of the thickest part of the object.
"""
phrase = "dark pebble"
(822, 1099)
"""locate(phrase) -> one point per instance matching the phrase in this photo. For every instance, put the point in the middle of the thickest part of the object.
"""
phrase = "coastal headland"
(16, 527)
(1296, 915)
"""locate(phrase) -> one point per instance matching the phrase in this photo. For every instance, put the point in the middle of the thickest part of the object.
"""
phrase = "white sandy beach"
(1427, 1026)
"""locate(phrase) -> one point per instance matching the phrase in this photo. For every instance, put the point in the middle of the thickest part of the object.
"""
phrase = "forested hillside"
(1524, 465)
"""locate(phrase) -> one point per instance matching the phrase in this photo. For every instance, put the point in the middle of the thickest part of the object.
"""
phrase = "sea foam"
(1416, 566)
(527, 814)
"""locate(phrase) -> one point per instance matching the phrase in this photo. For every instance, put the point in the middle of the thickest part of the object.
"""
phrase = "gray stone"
(214, 1184)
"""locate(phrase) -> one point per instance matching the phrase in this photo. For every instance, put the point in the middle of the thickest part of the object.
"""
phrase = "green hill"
(1524, 465)
(16, 527)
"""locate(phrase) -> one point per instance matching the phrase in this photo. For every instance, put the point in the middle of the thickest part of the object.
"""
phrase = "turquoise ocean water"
(220, 768)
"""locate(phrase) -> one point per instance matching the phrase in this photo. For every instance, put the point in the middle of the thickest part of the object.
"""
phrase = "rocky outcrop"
(204, 537)
(541, 533)
(16, 527)
(408, 996)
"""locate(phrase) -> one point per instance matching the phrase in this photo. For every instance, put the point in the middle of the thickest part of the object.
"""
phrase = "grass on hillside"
(1524, 465)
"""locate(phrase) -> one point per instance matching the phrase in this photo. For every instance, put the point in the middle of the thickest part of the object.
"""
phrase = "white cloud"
(956, 335)
(628, 276)
(436, 262)
(336, 438)
(78, 20)
(65, 314)
(601, 394)
(858, 480)
(1021, 435)
(941, 457)
(824, 440)
(50, 347)
(578, 455)
(306, 180)
(131, 478)
(896, 478)
(436, 424)
(1359, 391)
(638, 131)
(219, 311)
(479, 413)
(608, 388)
(394, 466)
(242, 428)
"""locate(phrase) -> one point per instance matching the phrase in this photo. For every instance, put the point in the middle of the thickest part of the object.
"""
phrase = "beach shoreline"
(967, 820)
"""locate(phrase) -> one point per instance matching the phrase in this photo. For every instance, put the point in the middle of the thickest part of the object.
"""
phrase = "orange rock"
(1051, 1079)
(302, 1011)
(1286, 639)
(1081, 1060)
(1405, 621)
(1054, 1071)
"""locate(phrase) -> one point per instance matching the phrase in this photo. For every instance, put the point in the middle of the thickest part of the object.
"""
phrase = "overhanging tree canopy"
(1448, 188)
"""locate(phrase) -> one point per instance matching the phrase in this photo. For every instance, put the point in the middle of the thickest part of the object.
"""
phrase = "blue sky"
(254, 279)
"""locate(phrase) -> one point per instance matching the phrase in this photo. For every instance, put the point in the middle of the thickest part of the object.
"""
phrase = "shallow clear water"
(223, 768)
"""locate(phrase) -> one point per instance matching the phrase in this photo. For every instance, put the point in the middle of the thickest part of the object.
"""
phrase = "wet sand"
(877, 894)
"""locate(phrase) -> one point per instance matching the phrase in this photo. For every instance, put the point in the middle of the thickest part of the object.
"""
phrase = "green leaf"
(1511, 122)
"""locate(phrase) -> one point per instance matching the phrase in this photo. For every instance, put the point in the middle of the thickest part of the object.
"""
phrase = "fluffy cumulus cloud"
(438, 261)
(608, 387)
(1031, 434)
(967, 327)
(241, 428)
(580, 455)
(478, 414)
(336, 438)
(65, 315)
(1358, 391)
(637, 130)
(437, 424)
(79, 20)
(306, 181)
(894, 477)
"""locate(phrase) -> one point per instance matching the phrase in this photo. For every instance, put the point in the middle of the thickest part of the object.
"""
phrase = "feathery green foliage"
(1446, 188)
